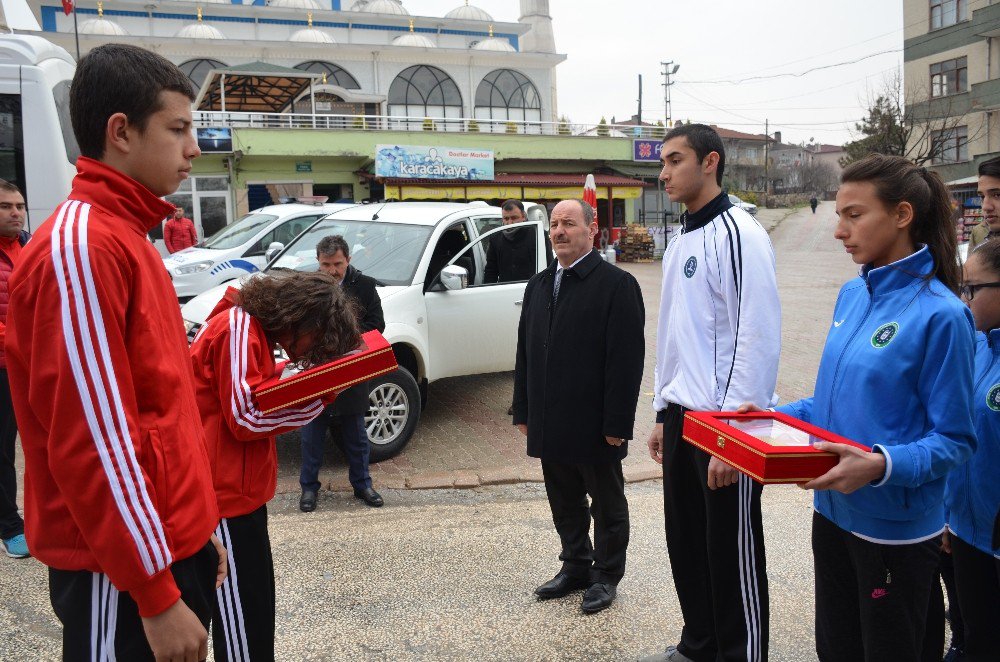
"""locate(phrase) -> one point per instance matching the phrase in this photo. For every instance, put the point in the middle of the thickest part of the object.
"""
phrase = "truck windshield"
(239, 232)
(388, 252)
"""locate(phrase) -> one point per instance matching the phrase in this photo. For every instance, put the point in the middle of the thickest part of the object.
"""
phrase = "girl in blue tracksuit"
(895, 375)
(973, 496)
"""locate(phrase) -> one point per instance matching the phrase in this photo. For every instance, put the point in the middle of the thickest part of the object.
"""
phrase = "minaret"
(539, 39)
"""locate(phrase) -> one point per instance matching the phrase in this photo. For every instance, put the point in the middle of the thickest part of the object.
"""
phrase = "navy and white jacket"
(896, 375)
(719, 333)
(974, 488)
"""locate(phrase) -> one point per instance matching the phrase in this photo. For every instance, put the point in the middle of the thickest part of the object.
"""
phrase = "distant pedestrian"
(118, 497)
(896, 375)
(717, 346)
(579, 364)
(989, 190)
(13, 237)
(179, 232)
(813, 203)
(347, 414)
(307, 315)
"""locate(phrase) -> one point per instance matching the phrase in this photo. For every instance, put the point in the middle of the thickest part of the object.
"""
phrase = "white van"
(242, 247)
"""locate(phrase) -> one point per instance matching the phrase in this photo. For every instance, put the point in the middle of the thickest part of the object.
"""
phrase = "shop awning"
(646, 171)
(964, 181)
(257, 87)
(518, 186)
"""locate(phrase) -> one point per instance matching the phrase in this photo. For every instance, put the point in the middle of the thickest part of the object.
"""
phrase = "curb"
(462, 479)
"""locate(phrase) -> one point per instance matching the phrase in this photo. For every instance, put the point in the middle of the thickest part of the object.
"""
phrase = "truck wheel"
(393, 412)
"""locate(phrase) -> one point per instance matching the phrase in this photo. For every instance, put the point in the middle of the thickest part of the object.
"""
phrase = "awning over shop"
(512, 185)
(963, 182)
(645, 171)
(257, 87)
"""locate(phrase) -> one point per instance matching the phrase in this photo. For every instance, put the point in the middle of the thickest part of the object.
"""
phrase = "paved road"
(448, 574)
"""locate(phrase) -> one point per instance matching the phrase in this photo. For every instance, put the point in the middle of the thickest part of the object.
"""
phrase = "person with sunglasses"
(973, 496)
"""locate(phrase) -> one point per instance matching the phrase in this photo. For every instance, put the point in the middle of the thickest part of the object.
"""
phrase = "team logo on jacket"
(690, 266)
(884, 335)
(993, 398)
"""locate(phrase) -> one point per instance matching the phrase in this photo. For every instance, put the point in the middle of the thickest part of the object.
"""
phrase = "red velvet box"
(770, 447)
(376, 358)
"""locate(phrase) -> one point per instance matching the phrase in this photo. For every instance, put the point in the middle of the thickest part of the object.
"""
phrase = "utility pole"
(669, 69)
(767, 142)
(639, 116)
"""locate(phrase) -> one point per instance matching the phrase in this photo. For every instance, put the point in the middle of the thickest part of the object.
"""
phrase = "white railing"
(443, 124)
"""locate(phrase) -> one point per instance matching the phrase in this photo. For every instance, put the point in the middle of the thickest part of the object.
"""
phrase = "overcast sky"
(608, 43)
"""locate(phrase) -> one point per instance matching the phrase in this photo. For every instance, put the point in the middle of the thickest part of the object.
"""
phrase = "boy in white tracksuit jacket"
(717, 346)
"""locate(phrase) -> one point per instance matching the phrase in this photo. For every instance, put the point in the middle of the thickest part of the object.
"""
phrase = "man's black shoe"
(599, 596)
(307, 502)
(560, 585)
(370, 496)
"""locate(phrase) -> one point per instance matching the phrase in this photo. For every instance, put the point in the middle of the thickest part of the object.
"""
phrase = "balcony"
(383, 123)
(986, 95)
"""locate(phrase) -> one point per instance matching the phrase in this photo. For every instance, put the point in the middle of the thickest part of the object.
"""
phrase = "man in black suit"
(580, 349)
(349, 409)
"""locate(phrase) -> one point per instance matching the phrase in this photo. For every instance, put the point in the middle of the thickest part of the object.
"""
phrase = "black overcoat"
(361, 289)
(579, 362)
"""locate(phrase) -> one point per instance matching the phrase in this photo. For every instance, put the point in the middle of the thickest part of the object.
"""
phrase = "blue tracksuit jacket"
(896, 374)
(973, 496)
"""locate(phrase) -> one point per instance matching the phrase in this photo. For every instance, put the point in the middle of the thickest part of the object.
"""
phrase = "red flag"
(67, 6)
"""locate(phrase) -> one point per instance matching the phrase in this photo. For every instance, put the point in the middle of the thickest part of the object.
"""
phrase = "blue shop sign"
(646, 150)
(422, 162)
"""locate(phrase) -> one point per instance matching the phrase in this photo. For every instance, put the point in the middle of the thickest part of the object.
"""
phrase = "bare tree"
(816, 176)
(913, 125)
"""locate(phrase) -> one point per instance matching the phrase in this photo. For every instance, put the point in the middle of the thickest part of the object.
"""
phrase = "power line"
(799, 74)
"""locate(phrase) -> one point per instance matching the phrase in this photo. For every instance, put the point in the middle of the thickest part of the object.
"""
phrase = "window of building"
(197, 70)
(948, 12)
(949, 77)
(507, 95)
(334, 75)
(950, 145)
(420, 92)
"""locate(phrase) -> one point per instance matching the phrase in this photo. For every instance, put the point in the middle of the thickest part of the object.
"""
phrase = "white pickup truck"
(442, 319)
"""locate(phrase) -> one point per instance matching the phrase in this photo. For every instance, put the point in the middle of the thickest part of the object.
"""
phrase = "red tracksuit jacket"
(231, 358)
(116, 475)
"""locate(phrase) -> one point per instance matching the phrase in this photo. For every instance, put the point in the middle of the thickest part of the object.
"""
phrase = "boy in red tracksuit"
(117, 492)
(308, 315)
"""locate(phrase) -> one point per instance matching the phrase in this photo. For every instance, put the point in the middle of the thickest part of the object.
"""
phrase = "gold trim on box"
(722, 436)
(339, 387)
(300, 377)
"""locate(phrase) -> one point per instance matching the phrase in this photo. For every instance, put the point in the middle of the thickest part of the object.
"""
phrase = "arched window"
(508, 95)
(334, 75)
(422, 91)
(197, 70)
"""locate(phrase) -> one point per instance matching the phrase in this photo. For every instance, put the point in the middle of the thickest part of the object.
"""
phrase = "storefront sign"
(303, 166)
(646, 151)
(422, 162)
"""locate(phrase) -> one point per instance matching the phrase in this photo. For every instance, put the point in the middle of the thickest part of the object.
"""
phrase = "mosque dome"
(294, 4)
(385, 7)
(468, 12)
(413, 39)
(102, 26)
(494, 44)
(311, 35)
(359, 5)
(199, 30)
